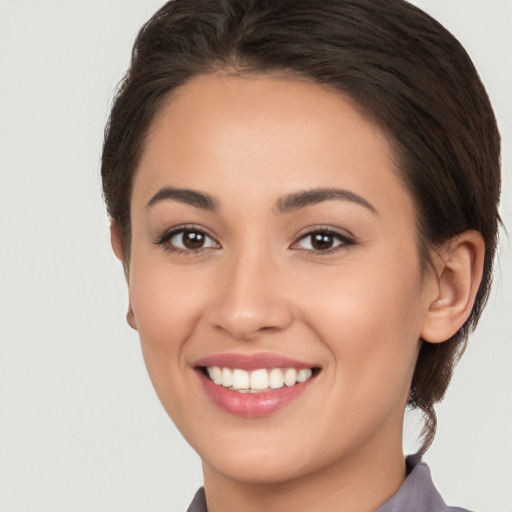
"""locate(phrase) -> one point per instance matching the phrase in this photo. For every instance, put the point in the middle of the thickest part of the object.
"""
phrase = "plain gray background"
(80, 426)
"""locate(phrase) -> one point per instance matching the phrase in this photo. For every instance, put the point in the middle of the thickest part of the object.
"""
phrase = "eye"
(322, 240)
(186, 240)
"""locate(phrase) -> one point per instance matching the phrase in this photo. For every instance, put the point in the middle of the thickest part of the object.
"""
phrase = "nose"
(251, 297)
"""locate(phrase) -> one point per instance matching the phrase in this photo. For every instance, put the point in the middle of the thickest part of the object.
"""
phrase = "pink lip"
(252, 405)
(251, 362)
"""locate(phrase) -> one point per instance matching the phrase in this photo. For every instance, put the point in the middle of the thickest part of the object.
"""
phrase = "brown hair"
(407, 73)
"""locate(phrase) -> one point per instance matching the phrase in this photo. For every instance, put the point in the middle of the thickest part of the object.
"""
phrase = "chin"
(263, 470)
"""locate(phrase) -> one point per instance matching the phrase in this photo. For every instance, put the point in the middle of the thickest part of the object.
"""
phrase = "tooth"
(240, 379)
(304, 375)
(290, 377)
(275, 378)
(259, 379)
(227, 377)
(215, 375)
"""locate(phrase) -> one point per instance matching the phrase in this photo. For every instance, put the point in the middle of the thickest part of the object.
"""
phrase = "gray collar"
(417, 493)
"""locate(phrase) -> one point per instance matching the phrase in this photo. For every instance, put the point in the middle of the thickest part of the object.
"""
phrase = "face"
(274, 277)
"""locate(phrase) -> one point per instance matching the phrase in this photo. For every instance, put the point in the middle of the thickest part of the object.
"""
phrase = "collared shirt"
(417, 493)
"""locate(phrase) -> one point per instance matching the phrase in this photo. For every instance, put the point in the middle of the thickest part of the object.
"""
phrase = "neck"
(358, 483)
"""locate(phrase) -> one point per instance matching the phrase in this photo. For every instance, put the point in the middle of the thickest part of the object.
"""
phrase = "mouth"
(253, 386)
(261, 380)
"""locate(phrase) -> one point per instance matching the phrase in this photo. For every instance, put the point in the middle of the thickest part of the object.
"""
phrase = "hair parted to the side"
(406, 72)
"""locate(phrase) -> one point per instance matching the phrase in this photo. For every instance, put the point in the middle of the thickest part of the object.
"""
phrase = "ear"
(115, 240)
(117, 247)
(457, 277)
(130, 317)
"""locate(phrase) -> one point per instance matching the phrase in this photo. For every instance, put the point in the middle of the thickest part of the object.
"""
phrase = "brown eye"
(192, 239)
(189, 240)
(322, 241)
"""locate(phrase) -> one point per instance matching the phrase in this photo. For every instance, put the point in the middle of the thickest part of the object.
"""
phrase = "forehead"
(268, 135)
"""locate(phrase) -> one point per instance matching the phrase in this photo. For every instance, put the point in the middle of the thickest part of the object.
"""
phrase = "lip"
(252, 405)
(250, 362)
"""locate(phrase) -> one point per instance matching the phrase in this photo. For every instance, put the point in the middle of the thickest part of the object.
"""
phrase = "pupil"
(322, 241)
(193, 240)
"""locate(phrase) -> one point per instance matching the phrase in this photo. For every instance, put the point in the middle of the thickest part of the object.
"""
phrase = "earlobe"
(459, 268)
(130, 317)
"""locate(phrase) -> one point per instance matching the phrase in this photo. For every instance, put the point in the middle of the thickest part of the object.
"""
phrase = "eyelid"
(164, 239)
(343, 236)
(346, 239)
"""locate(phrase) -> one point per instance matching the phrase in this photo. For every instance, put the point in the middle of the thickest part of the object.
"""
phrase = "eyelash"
(165, 239)
(345, 240)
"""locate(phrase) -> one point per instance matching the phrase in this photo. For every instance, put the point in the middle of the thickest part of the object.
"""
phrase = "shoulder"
(418, 492)
(199, 502)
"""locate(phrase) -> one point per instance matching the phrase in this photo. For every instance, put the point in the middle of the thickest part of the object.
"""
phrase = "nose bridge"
(250, 299)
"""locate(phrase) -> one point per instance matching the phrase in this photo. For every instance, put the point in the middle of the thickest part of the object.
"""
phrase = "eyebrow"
(286, 204)
(311, 197)
(187, 196)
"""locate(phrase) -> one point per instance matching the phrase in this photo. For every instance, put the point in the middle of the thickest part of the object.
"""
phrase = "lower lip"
(252, 405)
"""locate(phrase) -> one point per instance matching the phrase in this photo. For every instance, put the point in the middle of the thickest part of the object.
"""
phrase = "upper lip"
(251, 362)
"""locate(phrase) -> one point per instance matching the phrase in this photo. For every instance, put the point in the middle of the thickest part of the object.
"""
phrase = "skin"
(258, 285)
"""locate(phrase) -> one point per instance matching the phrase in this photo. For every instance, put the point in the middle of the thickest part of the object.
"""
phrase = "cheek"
(167, 298)
(370, 325)
(167, 307)
(164, 305)
(370, 319)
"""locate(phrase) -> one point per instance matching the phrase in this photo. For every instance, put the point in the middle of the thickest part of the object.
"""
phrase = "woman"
(304, 198)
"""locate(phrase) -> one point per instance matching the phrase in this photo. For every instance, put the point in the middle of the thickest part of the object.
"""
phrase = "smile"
(254, 385)
(257, 381)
